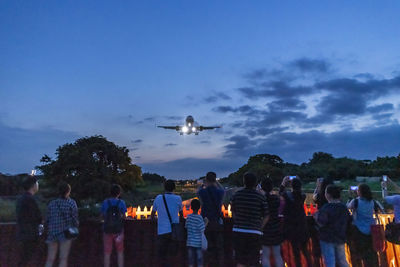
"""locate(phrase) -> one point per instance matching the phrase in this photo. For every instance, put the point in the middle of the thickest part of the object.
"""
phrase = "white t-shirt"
(174, 203)
(395, 201)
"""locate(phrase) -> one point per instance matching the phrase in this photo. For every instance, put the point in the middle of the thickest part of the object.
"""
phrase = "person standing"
(333, 219)
(392, 200)
(361, 247)
(295, 223)
(113, 211)
(250, 214)
(195, 228)
(167, 205)
(211, 197)
(62, 214)
(272, 234)
(29, 221)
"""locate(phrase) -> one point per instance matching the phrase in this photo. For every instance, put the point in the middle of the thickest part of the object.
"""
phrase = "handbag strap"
(166, 208)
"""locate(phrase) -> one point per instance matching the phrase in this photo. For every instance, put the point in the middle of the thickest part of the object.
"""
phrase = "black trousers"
(26, 249)
(215, 250)
(166, 248)
(361, 249)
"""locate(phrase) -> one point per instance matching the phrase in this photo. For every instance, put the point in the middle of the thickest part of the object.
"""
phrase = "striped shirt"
(249, 207)
(195, 227)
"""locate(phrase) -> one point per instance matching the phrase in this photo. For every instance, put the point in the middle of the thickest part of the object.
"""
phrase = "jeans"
(266, 256)
(195, 255)
(334, 254)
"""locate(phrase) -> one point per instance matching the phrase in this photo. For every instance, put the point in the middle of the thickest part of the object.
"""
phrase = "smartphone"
(354, 188)
(384, 177)
(320, 180)
(292, 177)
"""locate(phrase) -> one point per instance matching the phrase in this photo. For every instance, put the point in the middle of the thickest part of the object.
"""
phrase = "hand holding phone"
(384, 178)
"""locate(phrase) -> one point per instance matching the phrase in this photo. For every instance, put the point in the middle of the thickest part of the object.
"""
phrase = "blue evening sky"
(282, 77)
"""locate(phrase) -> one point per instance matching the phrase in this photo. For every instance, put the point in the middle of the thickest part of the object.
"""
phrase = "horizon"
(288, 79)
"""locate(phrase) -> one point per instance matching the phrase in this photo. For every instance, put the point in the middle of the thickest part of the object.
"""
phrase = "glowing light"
(194, 129)
(185, 129)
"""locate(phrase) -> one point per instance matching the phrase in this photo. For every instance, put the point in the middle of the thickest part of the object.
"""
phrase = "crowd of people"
(262, 220)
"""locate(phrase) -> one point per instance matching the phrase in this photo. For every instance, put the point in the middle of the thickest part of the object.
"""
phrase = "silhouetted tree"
(90, 165)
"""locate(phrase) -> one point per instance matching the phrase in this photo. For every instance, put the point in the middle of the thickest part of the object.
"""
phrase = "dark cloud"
(287, 104)
(174, 118)
(22, 149)
(171, 144)
(215, 97)
(276, 89)
(380, 108)
(262, 131)
(299, 147)
(137, 141)
(205, 142)
(311, 65)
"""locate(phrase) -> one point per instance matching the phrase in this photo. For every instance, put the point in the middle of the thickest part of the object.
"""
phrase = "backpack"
(114, 219)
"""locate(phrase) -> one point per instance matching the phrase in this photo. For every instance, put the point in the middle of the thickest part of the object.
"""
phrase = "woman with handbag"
(361, 246)
(62, 221)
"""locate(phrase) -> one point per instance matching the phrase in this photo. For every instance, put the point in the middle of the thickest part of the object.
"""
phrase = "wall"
(140, 247)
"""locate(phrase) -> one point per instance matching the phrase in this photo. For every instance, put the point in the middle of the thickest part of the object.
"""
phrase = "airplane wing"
(176, 128)
(201, 128)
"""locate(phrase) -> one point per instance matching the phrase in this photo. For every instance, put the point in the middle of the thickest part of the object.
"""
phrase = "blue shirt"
(363, 215)
(174, 203)
(333, 219)
(113, 202)
(211, 198)
(395, 201)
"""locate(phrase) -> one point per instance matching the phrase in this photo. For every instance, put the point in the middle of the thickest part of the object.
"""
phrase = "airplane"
(189, 127)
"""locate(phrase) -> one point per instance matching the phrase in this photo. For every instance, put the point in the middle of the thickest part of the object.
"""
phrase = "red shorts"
(109, 239)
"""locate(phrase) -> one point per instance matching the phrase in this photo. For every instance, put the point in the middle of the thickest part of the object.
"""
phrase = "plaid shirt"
(62, 213)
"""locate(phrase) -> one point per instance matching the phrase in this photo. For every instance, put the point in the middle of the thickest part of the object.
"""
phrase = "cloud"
(298, 147)
(170, 144)
(310, 65)
(381, 108)
(275, 89)
(216, 96)
(22, 149)
(137, 141)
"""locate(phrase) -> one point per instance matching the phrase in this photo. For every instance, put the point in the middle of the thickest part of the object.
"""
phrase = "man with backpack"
(113, 211)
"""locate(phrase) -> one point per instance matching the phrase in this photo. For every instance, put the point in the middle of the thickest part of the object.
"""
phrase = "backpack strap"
(166, 208)
(355, 204)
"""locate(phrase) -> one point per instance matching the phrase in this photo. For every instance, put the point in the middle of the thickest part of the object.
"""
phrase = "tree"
(90, 166)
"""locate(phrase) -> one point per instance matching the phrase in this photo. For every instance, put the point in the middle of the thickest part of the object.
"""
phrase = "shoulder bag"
(177, 230)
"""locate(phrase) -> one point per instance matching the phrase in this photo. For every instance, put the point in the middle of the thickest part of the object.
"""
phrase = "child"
(333, 218)
(195, 227)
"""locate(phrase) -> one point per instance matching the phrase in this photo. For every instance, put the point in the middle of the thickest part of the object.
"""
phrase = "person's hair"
(267, 185)
(63, 188)
(29, 182)
(211, 177)
(115, 190)
(250, 180)
(296, 187)
(324, 184)
(195, 204)
(169, 185)
(333, 191)
(365, 191)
